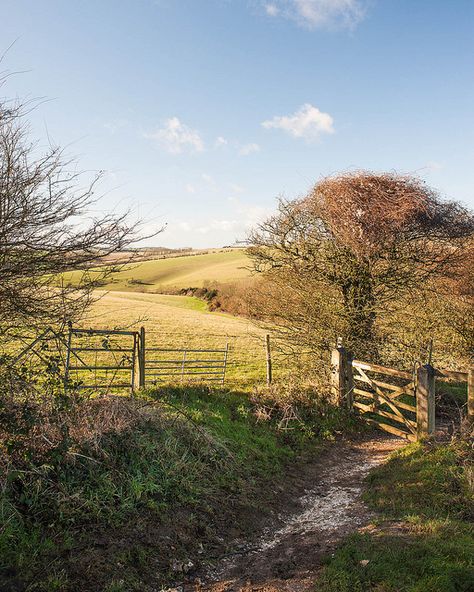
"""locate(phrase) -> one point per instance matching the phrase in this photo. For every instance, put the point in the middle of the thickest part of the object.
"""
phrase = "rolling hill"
(179, 272)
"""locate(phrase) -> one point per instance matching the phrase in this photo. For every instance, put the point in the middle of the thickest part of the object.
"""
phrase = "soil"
(231, 545)
(318, 505)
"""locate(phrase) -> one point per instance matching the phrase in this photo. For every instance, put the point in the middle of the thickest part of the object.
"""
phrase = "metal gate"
(167, 365)
(101, 359)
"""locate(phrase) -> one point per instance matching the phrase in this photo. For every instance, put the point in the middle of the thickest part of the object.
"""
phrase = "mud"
(320, 507)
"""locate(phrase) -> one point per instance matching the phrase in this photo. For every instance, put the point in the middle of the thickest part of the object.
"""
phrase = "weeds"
(110, 462)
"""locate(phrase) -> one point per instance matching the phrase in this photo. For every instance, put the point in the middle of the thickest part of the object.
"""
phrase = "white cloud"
(272, 9)
(190, 188)
(320, 14)
(234, 226)
(308, 122)
(209, 179)
(433, 165)
(210, 182)
(220, 141)
(250, 214)
(219, 225)
(249, 149)
(176, 137)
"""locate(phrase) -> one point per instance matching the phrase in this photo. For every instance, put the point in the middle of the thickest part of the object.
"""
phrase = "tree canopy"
(355, 245)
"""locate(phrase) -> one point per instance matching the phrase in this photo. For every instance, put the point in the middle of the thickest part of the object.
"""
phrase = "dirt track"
(324, 506)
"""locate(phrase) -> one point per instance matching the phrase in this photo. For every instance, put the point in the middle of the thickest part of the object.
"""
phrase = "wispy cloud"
(320, 14)
(241, 217)
(235, 188)
(308, 123)
(219, 225)
(176, 137)
(247, 149)
(250, 214)
(220, 142)
(209, 179)
(433, 165)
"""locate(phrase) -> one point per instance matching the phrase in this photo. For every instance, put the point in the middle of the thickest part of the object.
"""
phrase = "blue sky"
(202, 112)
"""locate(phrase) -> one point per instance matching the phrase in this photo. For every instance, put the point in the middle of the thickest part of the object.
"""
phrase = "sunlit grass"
(424, 541)
(177, 272)
(185, 322)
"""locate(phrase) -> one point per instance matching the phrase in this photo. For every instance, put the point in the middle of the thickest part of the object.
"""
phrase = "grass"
(112, 512)
(424, 541)
(451, 395)
(178, 272)
(174, 474)
(185, 322)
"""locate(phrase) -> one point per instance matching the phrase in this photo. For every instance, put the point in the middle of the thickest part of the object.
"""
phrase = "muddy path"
(319, 504)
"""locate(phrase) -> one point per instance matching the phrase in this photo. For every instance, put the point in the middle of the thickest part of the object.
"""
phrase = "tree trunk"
(359, 305)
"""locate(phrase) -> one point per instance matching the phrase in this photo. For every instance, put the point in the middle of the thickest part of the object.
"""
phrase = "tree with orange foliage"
(350, 248)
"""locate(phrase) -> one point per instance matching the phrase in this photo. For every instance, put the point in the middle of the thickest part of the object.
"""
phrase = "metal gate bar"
(206, 368)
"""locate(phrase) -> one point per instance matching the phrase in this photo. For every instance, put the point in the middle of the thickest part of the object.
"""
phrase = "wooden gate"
(398, 402)
(389, 403)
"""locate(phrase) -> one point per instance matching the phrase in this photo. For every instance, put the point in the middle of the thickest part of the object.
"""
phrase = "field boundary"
(395, 401)
(106, 359)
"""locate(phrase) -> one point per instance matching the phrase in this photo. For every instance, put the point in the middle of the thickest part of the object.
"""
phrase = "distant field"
(184, 322)
(133, 299)
(181, 272)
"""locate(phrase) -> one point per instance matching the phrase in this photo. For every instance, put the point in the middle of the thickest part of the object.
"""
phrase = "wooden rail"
(381, 369)
(451, 376)
(411, 405)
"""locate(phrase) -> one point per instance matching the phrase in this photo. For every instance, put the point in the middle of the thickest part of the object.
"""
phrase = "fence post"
(225, 362)
(349, 380)
(141, 358)
(133, 382)
(183, 364)
(425, 401)
(342, 379)
(470, 395)
(68, 355)
(269, 359)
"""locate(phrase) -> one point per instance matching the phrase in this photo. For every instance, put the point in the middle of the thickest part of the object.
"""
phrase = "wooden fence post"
(425, 401)
(134, 363)
(269, 359)
(68, 354)
(342, 378)
(226, 355)
(141, 358)
(470, 394)
(349, 380)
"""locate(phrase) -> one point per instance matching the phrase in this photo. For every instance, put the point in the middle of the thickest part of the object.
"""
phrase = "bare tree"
(46, 230)
(341, 256)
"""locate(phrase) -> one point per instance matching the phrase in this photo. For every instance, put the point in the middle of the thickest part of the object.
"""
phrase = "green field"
(184, 322)
(179, 272)
(133, 299)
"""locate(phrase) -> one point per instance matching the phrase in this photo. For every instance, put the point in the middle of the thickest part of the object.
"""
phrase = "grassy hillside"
(128, 488)
(180, 272)
(185, 322)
